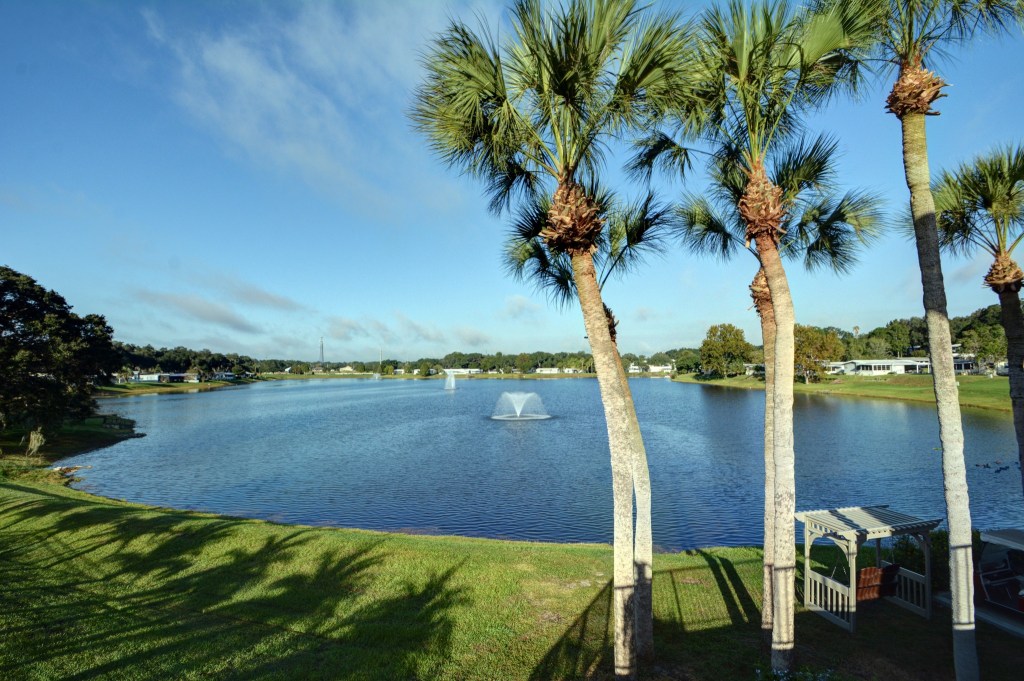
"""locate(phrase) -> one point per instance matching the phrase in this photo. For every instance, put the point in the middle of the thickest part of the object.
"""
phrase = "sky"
(243, 177)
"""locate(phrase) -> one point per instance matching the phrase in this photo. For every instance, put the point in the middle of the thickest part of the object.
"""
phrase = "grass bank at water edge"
(978, 392)
(96, 588)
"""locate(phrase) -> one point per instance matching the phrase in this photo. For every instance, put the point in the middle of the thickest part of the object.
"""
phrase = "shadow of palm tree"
(703, 607)
(168, 595)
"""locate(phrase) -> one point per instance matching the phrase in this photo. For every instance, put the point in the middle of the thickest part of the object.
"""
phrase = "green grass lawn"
(975, 391)
(95, 588)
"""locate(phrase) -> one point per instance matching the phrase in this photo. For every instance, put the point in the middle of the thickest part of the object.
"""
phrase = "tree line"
(725, 349)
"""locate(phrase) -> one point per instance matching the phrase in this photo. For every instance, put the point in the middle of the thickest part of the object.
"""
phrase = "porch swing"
(873, 582)
(848, 528)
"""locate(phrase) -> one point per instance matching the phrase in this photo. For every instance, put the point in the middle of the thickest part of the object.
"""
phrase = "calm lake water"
(413, 457)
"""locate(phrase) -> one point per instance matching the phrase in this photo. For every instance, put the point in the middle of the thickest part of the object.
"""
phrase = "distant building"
(660, 368)
(881, 367)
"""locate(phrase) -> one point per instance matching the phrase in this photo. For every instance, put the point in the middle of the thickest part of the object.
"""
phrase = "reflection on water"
(405, 455)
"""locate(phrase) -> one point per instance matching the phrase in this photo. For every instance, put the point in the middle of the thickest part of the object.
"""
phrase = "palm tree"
(760, 67)
(910, 33)
(535, 117)
(981, 206)
(820, 227)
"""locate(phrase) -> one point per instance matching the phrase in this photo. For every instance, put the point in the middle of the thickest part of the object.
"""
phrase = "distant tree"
(724, 351)
(897, 333)
(877, 347)
(687, 360)
(660, 359)
(424, 368)
(49, 356)
(814, 349)
(524, 363)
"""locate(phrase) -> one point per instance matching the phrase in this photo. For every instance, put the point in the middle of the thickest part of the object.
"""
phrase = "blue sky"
(242, 176)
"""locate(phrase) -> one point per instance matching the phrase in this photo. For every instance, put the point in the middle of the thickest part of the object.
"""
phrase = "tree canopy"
(49, 356)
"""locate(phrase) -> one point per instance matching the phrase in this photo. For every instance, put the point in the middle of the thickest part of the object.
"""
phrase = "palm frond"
(806, 164)
(634, 232)
(829, 231)
(660, 151)
(704, 231)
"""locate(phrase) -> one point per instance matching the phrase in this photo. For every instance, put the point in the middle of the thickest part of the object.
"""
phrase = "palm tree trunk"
(940, 350)
(643, 541)
(1013, 327)
(784, 543)
(763, 304)
(620, 425)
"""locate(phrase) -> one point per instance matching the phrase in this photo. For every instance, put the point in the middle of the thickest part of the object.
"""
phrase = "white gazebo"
(848, 528)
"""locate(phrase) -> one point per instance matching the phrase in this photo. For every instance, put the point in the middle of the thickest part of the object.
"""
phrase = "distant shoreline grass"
(96, 587)
(976, 392)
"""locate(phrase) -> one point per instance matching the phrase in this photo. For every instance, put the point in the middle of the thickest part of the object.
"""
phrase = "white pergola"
(849, 528)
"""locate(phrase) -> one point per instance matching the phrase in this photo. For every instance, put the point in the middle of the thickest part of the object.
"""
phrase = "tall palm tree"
(535, 117)
(760, 68)
(910, 33)
(981, 206)
(821, 228)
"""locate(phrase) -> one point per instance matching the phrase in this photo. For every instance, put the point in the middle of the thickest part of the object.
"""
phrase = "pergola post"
(926, 546)
(851, 563)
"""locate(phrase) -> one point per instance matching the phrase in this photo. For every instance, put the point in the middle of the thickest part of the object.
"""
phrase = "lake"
(410, 456)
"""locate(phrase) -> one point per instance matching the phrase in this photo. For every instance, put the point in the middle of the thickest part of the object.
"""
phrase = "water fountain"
(449, 381)
(519, 406)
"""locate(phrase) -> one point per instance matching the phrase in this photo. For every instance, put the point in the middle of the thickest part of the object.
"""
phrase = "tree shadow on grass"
(700, 611)
(111, 591)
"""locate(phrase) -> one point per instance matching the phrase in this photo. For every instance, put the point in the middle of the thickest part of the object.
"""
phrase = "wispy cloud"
(250, 294)
(645, 314)
(518, 307)
(316, 89)
(419, 332)
(971, 272)
(471, 337)
(344, 329)
(200, 309)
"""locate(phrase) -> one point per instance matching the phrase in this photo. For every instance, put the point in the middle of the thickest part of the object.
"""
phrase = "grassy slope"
(975, 391)
(98, 588)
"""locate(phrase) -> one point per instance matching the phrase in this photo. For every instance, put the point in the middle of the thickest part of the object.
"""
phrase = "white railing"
(830, 599)
(912, 592)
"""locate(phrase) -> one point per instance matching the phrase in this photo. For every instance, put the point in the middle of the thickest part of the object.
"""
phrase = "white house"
(660, 368)
(546, 370)
(881, 367)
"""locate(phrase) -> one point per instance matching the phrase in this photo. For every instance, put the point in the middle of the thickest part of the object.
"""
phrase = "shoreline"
(976, 392)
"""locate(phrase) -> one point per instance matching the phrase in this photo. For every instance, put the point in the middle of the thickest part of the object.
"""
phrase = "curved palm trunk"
(784, 543)
(622, 434)
(940, 349)
(762, 302)
(1013, 327)
(643, 541)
